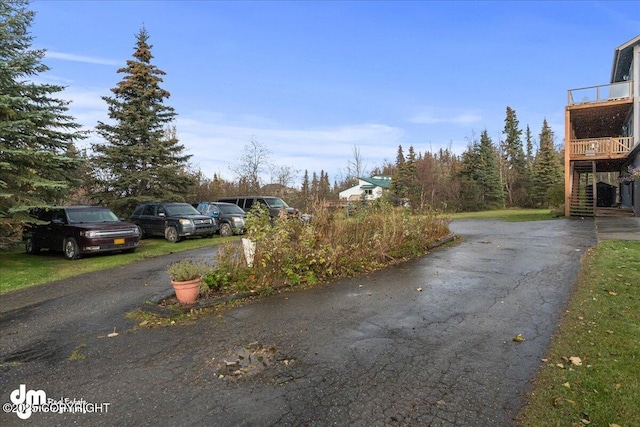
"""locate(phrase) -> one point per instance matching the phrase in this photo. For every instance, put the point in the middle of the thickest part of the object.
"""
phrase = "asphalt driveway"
(426, 343)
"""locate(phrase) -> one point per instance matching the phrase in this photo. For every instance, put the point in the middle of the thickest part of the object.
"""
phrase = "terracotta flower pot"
(187, 292)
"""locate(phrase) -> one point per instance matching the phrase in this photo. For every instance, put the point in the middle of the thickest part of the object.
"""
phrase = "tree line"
(140, 157)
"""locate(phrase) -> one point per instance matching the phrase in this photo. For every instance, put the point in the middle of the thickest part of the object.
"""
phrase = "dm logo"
(26, 400)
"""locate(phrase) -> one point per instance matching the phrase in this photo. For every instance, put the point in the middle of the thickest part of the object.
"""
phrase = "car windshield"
(275, 202)
(90, 215)
(230, 209)
(181, 209)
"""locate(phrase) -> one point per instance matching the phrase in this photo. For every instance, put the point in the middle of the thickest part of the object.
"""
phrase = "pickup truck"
(78, 230)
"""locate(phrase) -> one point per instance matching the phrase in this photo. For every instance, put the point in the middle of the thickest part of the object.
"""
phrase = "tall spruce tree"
(481, 173)
(305, 193)
(547, 169)
(470, 191)
(38, 159)
(529, 160)
(141, 158)
(413, 185)
(398, 186)
(37, 153)
(513, 160)
(489, 174)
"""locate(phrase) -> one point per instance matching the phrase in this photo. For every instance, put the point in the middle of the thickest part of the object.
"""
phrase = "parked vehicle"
(173, 221)
(230, 216)
(275, 204)
(78, 230)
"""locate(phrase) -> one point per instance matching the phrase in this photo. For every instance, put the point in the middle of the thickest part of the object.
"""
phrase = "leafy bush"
(230, 270)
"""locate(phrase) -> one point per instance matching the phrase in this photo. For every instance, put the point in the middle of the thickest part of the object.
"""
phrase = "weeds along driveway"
(429, 342)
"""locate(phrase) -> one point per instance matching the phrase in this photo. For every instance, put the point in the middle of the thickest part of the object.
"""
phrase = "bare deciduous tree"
(356, 167)
(284, 175)
(253, 162)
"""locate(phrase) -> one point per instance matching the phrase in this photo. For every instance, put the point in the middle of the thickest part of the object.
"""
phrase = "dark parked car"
(275, 204)
(173, 221)
(229, 215)
(78, 230)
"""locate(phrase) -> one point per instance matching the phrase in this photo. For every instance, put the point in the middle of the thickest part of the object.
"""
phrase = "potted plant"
(186, 278)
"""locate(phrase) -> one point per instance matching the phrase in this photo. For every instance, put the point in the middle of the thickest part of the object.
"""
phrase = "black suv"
(174, 221)
(229, 215)
(78, 230)
(275, 204)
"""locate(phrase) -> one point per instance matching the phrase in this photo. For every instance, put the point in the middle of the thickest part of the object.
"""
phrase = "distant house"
(367, 189)
(602, 136)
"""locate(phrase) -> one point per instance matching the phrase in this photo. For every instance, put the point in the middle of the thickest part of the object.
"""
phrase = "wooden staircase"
(582, 189)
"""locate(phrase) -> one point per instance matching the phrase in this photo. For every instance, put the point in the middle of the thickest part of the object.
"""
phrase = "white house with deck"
(367, 188)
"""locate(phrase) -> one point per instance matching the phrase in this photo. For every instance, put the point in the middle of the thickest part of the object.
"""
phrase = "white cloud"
(216, 145)
(436, 116)
(80, 58)
(216, 140)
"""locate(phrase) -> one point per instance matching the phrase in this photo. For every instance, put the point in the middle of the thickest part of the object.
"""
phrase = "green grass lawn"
(602, 328)
(20, 270)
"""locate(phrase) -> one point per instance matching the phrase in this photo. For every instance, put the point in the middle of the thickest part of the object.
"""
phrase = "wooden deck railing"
(601, 147)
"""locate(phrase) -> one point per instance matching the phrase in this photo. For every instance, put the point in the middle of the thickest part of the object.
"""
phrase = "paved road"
(372, 351)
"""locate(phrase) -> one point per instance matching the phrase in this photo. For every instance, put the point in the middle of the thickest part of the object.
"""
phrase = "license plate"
(118, 241)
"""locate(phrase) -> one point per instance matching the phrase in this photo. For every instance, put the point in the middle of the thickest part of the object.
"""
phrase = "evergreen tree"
(513, 161)
(398, 186)
(547, 170)
(529, 159)
(305, 192)
(410, 177)
(530, 156)
(489, 174)
(470, 191)
(481, 185)
(315, 187)
(38, 159)
(324, 187)
(141, 158)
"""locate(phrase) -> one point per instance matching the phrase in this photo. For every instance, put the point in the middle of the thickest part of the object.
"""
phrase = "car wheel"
(70, 248)
(225, 230)
(141, 232)
(171, 234)
(30, 247)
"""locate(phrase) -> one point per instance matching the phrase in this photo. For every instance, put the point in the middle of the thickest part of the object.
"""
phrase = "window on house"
(368, 192)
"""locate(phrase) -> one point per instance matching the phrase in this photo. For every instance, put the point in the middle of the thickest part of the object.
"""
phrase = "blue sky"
(312, 80)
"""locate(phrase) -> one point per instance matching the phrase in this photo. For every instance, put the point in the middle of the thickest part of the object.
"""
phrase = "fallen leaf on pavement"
(518, 338)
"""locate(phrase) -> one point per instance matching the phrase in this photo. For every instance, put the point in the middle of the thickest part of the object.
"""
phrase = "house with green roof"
(367, 189)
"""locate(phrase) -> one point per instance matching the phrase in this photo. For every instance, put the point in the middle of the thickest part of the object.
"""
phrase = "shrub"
(229, 271)
(332, 245)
